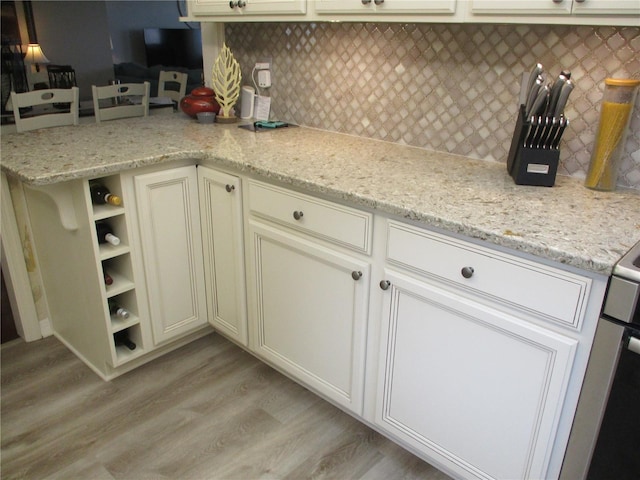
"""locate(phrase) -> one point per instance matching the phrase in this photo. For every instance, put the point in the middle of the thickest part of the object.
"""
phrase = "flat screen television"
(173, 47)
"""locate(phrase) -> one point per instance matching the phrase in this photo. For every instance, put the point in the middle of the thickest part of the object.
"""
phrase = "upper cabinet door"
(518, 7)
(606, 7)
(248, 7)
(385, 6)
(556, 7)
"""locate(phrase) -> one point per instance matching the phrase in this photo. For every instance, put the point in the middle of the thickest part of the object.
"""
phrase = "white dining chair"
(53, 107)
(121, 100)
(177, 81)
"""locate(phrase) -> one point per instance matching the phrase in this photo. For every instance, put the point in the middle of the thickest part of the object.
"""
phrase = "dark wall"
(93, 35)
(76, 33)
(128, 19)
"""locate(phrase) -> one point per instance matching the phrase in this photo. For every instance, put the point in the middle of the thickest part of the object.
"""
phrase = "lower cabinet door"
(477, 391)
(221, 220)
(309, 312)
(167, 204)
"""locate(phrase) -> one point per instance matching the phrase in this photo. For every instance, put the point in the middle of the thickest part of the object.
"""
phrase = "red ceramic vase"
(201, 99)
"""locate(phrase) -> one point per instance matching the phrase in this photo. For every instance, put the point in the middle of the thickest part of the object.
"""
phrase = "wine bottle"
(101, 195)
(117, 311)
(121, 338)
(105, 234)
(108, 280)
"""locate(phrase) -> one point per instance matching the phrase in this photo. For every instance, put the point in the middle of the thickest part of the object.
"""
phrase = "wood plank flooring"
(206, 411)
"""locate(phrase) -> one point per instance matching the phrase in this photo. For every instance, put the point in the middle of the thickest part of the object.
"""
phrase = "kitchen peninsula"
(351, 265)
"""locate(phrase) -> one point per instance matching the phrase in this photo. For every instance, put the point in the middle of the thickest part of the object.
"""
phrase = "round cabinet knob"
(560, 1)
(366, 2)
(385, 284)
(230, 188)
(356, 275)
(298, 215)
(242, 4)
(378, 2)
(232, 4)
(467, 272)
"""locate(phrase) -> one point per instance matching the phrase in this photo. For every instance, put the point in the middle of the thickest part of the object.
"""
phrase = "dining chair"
(172, 85)
(121, 100)
(42, 113)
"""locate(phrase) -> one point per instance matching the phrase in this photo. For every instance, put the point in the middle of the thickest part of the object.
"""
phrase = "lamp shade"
(35, 55)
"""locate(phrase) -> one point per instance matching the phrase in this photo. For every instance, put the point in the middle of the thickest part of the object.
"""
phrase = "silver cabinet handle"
(229, 188)
(366, 2)
(378, 2)
(467, 272)
(232, 4)
(241, 4)
(579, 1)
(385, 284)
(298, 214)
(560, 1)
(356, 275)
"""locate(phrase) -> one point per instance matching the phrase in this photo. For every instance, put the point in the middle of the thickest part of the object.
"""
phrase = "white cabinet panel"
(474, 389)
(248, 7)
(385, 6)
(326, 220)
(167, 203)
(530, 7)
(607, 7)
(309, 315)
(221, 220)
(554, 294)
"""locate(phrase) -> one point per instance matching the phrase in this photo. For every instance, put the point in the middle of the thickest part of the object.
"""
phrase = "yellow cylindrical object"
(615, 115)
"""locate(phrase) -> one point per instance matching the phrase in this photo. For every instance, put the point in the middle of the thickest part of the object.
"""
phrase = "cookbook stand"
(528, 164)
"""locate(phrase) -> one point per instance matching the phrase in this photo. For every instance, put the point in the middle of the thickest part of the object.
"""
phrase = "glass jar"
(615, 115)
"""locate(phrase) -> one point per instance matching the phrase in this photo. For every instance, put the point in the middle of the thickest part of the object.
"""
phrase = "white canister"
(246, 102)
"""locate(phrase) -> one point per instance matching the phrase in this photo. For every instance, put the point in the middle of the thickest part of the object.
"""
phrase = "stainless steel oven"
(605, 438)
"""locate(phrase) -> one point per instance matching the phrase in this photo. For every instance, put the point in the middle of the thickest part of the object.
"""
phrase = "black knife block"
(530, 166)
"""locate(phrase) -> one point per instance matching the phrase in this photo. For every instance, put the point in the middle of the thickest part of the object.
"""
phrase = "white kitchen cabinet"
(478, 355)
(240, 8)
(478, 391)
(308, 299)
(382, 7)
(222, 238)
(607, 7)
(604, 12)
(169, 224)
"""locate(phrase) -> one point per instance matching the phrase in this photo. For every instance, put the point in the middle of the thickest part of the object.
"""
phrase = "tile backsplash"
(444, 87)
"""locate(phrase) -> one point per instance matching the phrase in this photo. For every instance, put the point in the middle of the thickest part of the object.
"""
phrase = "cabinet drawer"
(557, 295)
(329, 221)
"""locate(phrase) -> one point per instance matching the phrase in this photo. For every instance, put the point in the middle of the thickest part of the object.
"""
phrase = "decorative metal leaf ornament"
(226, 80)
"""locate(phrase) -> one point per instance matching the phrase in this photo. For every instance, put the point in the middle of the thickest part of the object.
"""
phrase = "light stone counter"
(566, 223)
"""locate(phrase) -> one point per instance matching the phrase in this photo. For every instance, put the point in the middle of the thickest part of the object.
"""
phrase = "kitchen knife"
(567, 88)
(546, 125)
(540, 104)
(533, 76)
(555, 94)
(550, 134)
(538, 134)
(530, 132)
(533, 93)
(563, 124)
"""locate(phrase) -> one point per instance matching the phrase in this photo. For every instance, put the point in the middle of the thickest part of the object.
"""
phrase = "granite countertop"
(567, 223)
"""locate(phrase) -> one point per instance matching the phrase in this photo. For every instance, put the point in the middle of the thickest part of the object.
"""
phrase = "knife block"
(529, 165)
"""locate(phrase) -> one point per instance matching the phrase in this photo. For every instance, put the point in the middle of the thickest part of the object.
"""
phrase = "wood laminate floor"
(206, 411)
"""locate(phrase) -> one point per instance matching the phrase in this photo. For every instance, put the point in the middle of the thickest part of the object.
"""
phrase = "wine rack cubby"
(116, 262)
